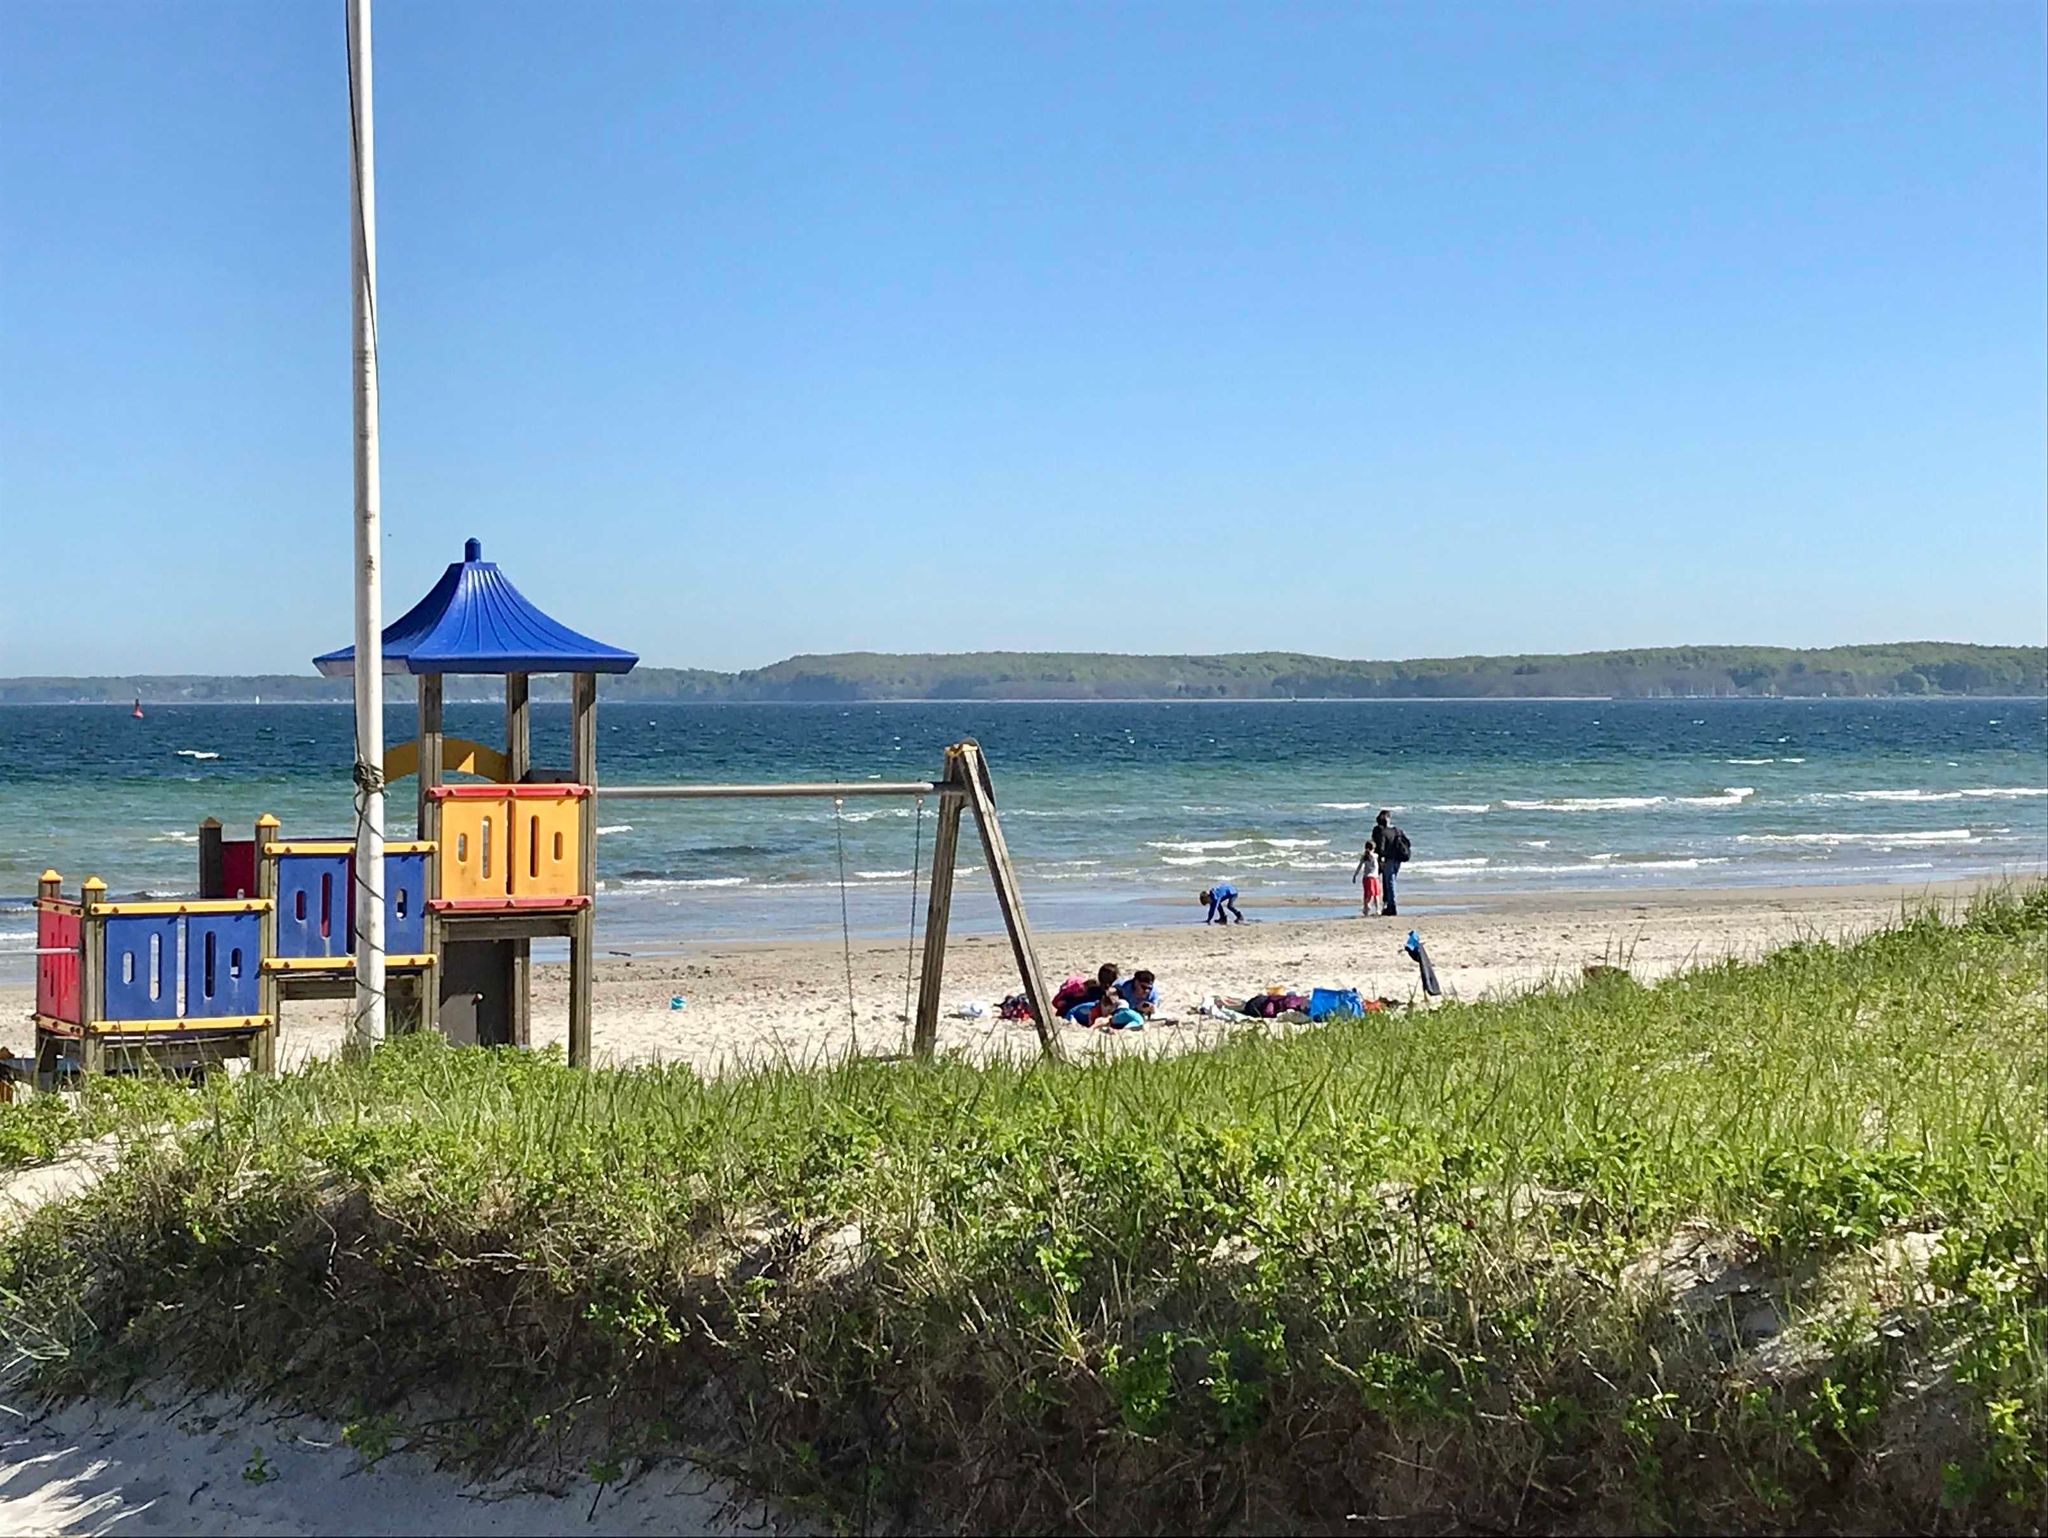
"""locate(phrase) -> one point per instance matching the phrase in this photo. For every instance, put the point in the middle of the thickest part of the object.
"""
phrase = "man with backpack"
(1394, 850)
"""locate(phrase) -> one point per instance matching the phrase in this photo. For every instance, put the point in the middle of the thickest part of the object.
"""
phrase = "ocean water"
(1116, 813)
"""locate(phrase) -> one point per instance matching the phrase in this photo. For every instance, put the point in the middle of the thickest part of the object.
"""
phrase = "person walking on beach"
(1368, 875)
(1392, 846)
(1222, 900)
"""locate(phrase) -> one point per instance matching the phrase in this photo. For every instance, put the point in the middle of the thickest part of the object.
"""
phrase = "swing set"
(964, 786)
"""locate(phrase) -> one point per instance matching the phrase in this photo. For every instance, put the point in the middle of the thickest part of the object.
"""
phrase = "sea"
(1115, 813)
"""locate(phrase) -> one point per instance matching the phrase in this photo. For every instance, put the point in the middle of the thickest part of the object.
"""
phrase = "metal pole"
(734, 792)
(366, 1028)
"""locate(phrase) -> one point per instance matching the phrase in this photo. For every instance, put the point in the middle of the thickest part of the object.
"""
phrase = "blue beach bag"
(1325, 1002)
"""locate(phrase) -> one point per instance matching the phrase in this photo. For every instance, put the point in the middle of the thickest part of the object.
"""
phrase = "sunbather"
(1140, 992)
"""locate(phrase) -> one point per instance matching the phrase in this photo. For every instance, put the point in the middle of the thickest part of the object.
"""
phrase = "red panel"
(238, 867)
(57, 976)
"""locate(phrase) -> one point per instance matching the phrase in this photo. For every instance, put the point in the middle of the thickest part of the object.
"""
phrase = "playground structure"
(498, 863)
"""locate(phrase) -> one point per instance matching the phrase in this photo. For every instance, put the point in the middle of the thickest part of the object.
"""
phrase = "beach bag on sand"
(1325, 1002)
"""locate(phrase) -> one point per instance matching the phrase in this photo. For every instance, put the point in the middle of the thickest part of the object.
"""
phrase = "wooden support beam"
(834, 788)
(263, 1047)
(212, 879)
(432, 762)
(938, 914)
(92, 977)
(974, 769)
(518, 761)
(583, 760)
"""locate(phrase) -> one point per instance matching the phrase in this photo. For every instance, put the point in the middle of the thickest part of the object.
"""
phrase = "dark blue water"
(1114, 811)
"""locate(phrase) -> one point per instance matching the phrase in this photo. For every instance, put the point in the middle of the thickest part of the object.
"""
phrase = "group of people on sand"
(1111, 1001)
(1386, 851)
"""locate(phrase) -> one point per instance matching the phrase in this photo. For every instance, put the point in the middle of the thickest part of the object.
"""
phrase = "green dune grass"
(1759, 1247)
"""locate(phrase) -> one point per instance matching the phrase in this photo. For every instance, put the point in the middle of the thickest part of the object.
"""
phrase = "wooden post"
(938, 911)
(519, 953)
(433, 754)
(432, 773)
(92, 972)
(980, 796)
(583, 762)
(269, 994)
(50, 887)
(212, 880)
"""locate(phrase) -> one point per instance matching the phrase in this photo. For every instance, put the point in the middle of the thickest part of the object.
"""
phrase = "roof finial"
(472, 550)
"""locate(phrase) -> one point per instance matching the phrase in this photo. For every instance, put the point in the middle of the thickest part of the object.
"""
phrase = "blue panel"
(313, 903)
(475, 621)
(142, 967)
(405, 904)
(223, 956)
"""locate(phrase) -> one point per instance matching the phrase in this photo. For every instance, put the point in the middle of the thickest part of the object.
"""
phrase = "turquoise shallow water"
(1117, 813)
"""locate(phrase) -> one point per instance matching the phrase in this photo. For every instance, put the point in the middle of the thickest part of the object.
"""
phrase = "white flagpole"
(367, 1026)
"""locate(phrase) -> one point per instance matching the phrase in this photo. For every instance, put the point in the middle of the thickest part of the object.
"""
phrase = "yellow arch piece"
(458, 756)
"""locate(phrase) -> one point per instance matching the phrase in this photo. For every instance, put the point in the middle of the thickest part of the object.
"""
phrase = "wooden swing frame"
(964, 786)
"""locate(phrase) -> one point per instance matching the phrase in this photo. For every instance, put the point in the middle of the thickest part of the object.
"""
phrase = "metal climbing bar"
(737, 792)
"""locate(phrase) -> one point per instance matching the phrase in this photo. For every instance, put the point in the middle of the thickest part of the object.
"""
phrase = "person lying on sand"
(1083, 1010)
(1140, 992)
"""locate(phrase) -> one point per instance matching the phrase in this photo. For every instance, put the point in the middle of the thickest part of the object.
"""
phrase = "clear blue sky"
(743, 330)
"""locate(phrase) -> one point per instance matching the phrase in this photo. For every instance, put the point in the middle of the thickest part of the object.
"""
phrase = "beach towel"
(1415, 948)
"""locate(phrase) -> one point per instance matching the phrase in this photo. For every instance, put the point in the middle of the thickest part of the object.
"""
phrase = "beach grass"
(1763, 1246)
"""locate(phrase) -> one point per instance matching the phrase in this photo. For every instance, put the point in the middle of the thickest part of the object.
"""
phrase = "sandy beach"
(761, 1001)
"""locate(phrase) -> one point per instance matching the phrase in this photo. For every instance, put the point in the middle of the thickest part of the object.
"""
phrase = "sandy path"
(214, 1467)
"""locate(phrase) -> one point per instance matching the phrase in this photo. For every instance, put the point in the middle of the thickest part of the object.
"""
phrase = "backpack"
(1398, 847)
(1071, 992)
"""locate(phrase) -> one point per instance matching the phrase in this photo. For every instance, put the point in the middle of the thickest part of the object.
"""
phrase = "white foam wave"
(1298, 843)
(1732, 795)
(1975, 793)
(1535, 843)
(1470, 807)
(1473, 863)
(1877, 840)
(1344, 806)
(196, 753)
(883, 875)
(662, 883)
(174, 836)
(616, 827)
(1749, 760)
(1200, 846)
(1586, 804)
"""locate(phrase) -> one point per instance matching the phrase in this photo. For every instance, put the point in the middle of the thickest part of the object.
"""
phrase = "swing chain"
(845, 924)
(910, 929)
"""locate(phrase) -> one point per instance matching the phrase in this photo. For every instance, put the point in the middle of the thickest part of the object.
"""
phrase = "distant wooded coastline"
(1902, 668)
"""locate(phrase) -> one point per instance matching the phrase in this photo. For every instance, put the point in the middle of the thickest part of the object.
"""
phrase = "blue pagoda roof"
(475, 621)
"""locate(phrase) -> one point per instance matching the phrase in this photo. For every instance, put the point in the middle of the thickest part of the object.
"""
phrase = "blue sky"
(737, 331)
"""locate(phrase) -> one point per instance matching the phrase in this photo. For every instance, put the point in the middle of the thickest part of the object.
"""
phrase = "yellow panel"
(459, 755)
(195, 905)
(337, 963)
(180, 1027)
(547, 846)
(475, 840)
